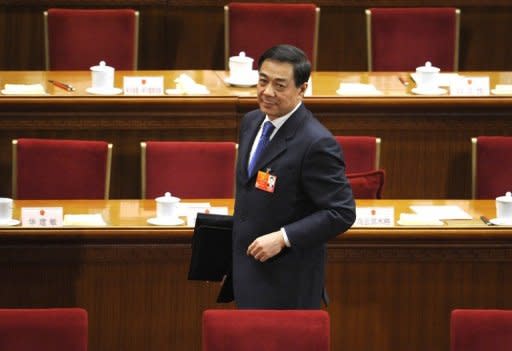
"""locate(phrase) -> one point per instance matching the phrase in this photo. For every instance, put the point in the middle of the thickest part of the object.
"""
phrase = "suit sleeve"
(324, 182)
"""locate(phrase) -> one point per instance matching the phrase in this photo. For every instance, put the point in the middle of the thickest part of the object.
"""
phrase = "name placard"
(42, 217)
(143, 85)
(470, 86)
(375, 217)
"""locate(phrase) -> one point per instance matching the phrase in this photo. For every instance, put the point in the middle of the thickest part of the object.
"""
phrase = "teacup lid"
(241, 58)
(428, 68)
(102, 67)
(506, 198)
(167, 198)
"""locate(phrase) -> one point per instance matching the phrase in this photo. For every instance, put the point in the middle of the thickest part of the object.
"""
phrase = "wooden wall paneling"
(154, 36)
(21, 30)
(342, 39)
(196, 37)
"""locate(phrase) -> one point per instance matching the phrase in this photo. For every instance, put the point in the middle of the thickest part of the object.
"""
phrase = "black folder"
(211, 258)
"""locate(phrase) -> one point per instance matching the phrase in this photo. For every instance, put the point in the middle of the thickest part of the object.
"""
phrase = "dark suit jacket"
(312, 200)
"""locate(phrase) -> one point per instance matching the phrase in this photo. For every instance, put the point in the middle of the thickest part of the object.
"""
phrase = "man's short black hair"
(293, 55)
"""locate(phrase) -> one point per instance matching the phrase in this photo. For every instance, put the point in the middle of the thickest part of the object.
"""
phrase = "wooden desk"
(391, 289)
(425, 140)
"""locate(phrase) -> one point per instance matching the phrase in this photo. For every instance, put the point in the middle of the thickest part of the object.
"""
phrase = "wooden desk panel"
(391, 289)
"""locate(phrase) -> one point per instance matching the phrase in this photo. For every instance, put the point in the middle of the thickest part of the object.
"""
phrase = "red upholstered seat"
(269, 330)
(367, 185)
(491, 166)
(401, 39)
(193, 169)
(481, 330)
(61, 169)
(53, 329)
(255, 27)
(76, 39)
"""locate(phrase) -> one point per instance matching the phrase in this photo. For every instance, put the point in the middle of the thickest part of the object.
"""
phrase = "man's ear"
(303, 88)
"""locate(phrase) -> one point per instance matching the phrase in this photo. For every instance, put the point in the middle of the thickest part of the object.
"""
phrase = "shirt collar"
(278, 122)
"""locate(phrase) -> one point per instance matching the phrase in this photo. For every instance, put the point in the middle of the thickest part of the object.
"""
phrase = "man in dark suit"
(295, 197)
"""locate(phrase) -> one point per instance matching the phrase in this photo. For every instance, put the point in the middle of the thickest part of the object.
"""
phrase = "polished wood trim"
(474, 142)
(143, 167)
(108, 171)
(368, 18)
(14, 169)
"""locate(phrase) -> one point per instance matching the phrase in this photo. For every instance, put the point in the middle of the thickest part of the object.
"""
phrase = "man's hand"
(266, 246)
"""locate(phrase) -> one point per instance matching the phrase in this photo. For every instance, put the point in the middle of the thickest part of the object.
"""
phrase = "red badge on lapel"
(266, 181)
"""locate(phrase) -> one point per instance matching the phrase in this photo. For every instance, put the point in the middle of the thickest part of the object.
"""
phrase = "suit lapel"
(246, 141)
(278, 144)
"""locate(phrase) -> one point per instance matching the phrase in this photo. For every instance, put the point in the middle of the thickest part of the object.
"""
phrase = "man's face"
(277, 93)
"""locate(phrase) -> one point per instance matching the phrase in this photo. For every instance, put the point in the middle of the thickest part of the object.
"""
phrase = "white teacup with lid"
(240, 67)
(504, 208)
(102, 77)
(5, 210)
(167, 207)
(427, 78)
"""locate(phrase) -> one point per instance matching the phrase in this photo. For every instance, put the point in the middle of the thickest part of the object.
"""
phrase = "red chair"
(401, 39)
(245, 24)
(53, 329)
(362, 153)
(60, 169)
(362, 161)
(76, 39)
(481, 330)
(200, 169)
(269, 330)
(491, 166)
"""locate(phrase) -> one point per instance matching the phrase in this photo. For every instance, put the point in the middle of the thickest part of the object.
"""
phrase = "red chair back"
(481, 330)
(60, 169)
(269, 330)
(492, 166)
(361, 152)
(362, 155)
(80, 38)
(194, 169)
(279, 23)
(401, 39)
(57, 329)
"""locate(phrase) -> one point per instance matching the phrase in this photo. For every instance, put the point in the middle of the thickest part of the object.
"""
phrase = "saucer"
(101, 91)
(251, 81)
(437, 91)
(501, 221)
(159, 221)
(9, 222)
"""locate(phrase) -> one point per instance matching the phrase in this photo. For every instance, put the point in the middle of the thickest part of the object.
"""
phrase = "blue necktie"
(268, 128)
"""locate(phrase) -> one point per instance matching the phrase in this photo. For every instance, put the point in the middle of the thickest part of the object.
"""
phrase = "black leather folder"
(211, 258)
